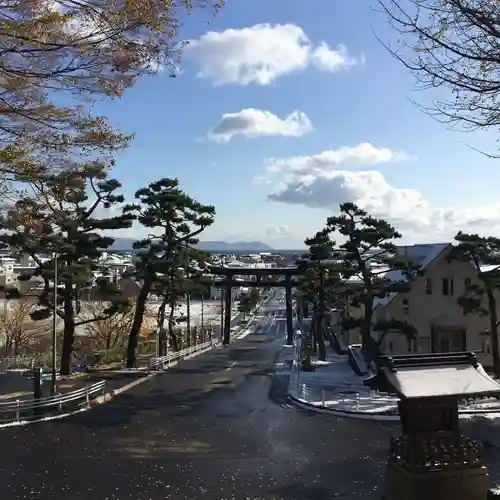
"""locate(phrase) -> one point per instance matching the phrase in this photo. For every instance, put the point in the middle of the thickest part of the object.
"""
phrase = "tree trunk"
(320, 339)
(492, 305)
(171, 327)
(369, 346)
(69, 330)
(135, 330)
(161, 327)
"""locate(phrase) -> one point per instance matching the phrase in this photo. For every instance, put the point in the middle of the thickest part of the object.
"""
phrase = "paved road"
(216, 427)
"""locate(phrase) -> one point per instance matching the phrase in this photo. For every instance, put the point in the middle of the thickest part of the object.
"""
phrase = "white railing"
(348, 398)
(353, 398)
(24, 410)
(16, 363)
(164, 361)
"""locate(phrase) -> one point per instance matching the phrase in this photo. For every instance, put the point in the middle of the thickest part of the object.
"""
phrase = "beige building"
(431, 307)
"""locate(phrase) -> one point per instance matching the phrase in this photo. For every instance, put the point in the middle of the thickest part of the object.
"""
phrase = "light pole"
(202, 317)
(188, 297)
(221, 314)
(157, 347)
(54, 327)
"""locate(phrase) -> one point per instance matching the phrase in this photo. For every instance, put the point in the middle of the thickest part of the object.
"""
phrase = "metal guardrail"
(348, 398)
(351, 398)
(19, 410)
(163, 361)
(17, 363)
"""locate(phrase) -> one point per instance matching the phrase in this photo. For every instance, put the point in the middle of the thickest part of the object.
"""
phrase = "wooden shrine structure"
(431, 459)
(261, 277)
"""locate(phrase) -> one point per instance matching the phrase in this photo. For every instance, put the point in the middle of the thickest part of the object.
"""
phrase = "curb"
(341, 413)
(104, 398)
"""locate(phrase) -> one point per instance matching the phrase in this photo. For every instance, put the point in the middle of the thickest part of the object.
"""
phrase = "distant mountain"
(125, 245)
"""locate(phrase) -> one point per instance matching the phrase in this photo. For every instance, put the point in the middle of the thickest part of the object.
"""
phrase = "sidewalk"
(21, 387)
(334, 388)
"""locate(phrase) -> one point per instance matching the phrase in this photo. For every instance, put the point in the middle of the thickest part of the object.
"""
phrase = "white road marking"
(229, 367)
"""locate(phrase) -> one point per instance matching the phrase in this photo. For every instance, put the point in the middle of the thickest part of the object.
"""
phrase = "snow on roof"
(425, 376)
(423, 253)
(486, 268)
(448, 380)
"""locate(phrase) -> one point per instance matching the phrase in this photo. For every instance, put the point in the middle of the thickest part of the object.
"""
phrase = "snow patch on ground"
(335, 386)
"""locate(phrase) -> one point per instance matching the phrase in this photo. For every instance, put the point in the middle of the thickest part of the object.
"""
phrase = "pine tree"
(254, 297)
(245, 305)
(319, 285)
(480, 251)
(183, 275)
(177, 218)
(370, 256)
(62, 220)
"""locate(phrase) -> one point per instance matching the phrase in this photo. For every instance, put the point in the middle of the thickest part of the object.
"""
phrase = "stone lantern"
(431, 459)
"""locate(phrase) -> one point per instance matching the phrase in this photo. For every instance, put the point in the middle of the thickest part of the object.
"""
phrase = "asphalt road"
(218, 427)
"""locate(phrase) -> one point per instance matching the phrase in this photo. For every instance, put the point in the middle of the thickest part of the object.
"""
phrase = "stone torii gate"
(271, 277)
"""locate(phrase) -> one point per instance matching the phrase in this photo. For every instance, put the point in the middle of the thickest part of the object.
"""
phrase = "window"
(406, 307)
(447, 286)
(428, 286)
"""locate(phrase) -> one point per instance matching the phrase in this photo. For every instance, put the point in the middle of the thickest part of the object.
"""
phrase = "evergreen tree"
(177, 219)
(370, 256)
(245, 305)
(62, 220)
(254, 297)
(319, 285)
(183, 275)
(480, 297)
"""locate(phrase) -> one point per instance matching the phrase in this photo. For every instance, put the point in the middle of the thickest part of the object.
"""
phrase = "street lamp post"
(54, 327)
(221, 314)
(202, 318)
(157, 346)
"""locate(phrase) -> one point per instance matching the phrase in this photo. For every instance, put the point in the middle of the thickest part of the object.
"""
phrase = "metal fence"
(353, 398)
(25, 410)
(164, 361)
(17, 363)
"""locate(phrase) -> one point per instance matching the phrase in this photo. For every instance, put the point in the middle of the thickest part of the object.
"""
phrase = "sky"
(285, 109)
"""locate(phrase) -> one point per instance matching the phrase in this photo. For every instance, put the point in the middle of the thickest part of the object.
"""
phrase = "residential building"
(431, 307)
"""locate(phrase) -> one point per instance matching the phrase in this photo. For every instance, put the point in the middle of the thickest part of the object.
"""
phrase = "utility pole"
(188, 297)
(54, 327)
(221, 314)
(202, 317)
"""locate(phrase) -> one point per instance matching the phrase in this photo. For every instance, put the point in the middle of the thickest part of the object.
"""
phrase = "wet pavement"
(218, 426)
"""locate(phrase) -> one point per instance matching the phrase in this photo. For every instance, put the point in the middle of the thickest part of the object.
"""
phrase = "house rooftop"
(423, 254)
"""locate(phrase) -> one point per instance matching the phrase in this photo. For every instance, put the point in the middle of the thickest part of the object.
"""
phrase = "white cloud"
(348, 156)
(279, 231)
(326, 183)
(254, 123)
(262, 53)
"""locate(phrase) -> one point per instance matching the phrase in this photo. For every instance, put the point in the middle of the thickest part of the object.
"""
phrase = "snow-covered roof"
(433, 375)
(423, 254)
(236, 263)
(486, 268)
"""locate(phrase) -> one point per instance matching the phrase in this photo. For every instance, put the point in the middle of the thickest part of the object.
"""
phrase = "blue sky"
(353, 108)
